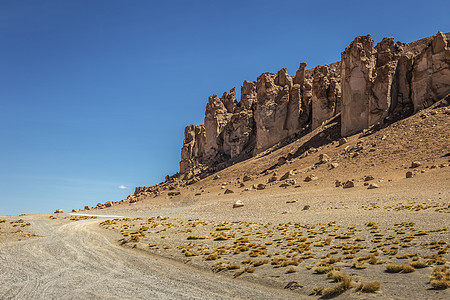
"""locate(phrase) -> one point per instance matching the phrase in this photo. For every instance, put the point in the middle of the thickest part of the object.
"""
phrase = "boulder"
(415, 164)
(228, 191)
(348, 184)
(108, 204)
(287, 175)
(333, 165)
(342, 141)
(59, 211)
(368, 178)
(373, 186)
(246, 178)
(261, 186)
(409, 174)
(311, 178)
(323, 158)
(238, 203)
(272, 179)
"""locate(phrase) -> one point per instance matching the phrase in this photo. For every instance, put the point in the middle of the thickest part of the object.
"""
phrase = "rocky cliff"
(370, 85)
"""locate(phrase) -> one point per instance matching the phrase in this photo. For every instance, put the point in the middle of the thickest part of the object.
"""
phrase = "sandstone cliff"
(370, 85)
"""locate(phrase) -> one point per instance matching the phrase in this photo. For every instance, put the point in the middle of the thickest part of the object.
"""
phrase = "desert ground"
(304, 233)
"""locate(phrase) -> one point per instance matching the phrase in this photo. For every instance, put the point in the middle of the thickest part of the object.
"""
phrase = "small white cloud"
(122, 187)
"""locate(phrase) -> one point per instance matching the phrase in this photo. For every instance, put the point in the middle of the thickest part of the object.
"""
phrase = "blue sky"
(96, 94)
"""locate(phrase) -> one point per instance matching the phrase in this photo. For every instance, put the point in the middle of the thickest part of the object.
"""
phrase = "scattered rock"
(287, 175)
(291, 201)
(281, 161)
(176, 193)
(261, 186)
(284, 185)
(228, 191)
(415, 164)
(306, 207)
(108, 204)
(246, 178)
(272, 179)
(373, 186)
(323, 158)
(86, 207)
(348, 184)
(311, 178)
(333, 165)
(238, 203)
(217, 176)
(291, 181)
(197, 194)
(59, 211)
(409, 174)
(338, 183)
(342, 141)
(312, 150)
(241, 184)
(368, 178)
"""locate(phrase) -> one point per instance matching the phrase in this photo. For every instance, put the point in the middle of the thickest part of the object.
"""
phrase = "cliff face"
(368, 86)
(392, 79)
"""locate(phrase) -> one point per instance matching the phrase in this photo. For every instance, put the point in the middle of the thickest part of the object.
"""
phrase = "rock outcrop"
(370, 85)
(193, 151)
(391, 80)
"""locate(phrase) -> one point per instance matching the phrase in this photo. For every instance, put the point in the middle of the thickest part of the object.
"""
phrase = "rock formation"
(391, 79)
(370, 85)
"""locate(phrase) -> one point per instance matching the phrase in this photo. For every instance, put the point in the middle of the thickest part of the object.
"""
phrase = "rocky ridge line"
(370, 85)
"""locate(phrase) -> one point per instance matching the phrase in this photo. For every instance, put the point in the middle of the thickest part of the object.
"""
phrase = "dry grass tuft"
(393, 268)
(419, 264)
(370, 287)
(344, 285)
(404, 268)
(291, 270)
(440, 278)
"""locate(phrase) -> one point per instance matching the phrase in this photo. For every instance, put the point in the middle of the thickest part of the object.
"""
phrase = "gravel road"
(77, 260)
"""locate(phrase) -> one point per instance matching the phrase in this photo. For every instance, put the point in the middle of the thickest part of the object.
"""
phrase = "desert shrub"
(407, 268)
(212, 256)
(291, 270)
(393, 268)
(322, 270)
(419, 264)
(258, 263)
(338, 289)
(370, 287)
(440, 278)
(196, 237)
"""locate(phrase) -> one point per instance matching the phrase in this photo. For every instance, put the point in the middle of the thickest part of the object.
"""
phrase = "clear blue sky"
(96, 94)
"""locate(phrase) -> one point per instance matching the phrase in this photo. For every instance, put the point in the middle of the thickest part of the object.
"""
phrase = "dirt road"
(77, 260)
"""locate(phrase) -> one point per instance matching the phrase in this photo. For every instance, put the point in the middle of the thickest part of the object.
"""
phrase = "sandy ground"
(422, 201)
(79, 260)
